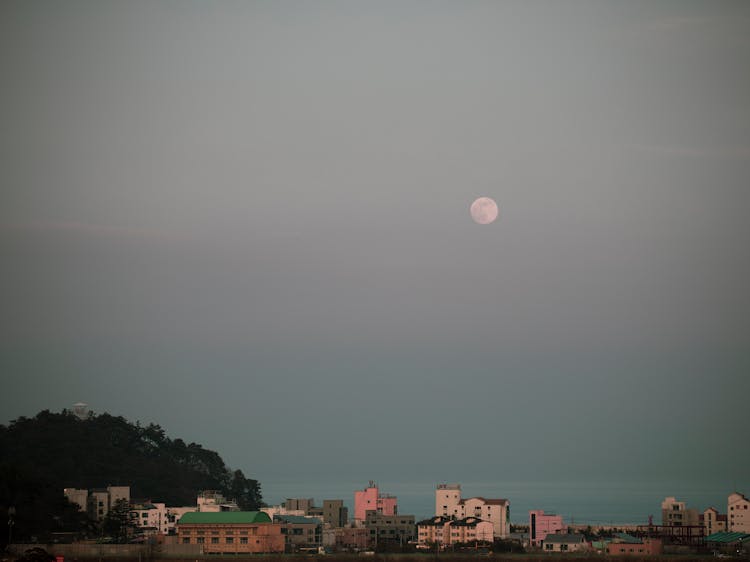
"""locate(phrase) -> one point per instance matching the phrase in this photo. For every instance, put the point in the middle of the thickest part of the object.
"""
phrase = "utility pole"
(11, 515)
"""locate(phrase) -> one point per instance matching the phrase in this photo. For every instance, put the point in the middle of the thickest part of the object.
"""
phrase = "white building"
(448, 503)
(154, 517)
(213, 501)
(738, 513)
(78, 497)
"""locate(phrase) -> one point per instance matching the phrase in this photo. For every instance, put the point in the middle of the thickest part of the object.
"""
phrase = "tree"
(245, 491)
(117, 522)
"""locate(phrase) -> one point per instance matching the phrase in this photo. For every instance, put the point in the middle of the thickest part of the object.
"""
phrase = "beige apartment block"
(713, 521)
(738, 513)
(448, 503)
(676, 514)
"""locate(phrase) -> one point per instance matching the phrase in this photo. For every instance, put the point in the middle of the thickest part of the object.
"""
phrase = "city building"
(335, 513)
(542, 524)
(78, 497)
(430, 531)
(713, 521)
(370, 499)
(351, 538)
(300, 504)
(211, 501)
(565, 542)
(274, 510)
(623, 544)
(676, 514)
(300, 531)
(390, 528)
(738, 513)
(468, 530)
(149, 517)
(231, 532)
(101, 500)
(448, 503)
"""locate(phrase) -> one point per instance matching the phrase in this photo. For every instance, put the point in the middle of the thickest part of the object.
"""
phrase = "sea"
(585, 503)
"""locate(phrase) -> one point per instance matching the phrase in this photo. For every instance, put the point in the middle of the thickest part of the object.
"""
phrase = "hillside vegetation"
(40, 456)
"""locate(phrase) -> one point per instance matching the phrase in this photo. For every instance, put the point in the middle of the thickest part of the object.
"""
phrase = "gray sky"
(248, 222)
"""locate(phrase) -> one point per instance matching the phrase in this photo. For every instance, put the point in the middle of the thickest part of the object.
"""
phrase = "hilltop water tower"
(81, 410)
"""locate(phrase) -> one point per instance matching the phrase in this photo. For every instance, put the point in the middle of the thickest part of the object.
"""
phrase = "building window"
(186, 540)
(200, 540)
(243, 540)
(228, 532)
(230, 540)
(214, 540)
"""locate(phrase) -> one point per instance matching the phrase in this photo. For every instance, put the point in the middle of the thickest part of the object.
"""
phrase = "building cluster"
(216, 525)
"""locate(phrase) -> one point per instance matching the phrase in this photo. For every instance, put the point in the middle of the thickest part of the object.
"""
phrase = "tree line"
(40, 456)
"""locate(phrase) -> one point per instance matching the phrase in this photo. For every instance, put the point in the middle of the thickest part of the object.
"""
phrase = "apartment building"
(370, 499)
(300, 531)
(448, 503)
(390, 528)
(713, 521)
(542, 524)
(738, 513)
(676, 514)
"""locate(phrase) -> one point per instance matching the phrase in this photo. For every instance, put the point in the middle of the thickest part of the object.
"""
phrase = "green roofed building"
(729, 542)
(230, 532)
(226, 517)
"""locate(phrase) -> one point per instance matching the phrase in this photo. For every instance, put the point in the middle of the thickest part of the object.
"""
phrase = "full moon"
(483, 210)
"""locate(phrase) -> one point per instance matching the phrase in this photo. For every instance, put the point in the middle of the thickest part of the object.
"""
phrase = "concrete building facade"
(390, 528)
(542, 524)
(738, 513)
(231, 532)
(676, 514)
(448, 503)
(713, 521)
(335, 513)
(370, 499)
(567, 542)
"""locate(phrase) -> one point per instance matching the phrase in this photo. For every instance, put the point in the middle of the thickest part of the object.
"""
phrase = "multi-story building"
(542, 524)
(468, 530)
(335, 513)
(713, 521)
(676, 514)
(448, 503)
(300, 531)
(390, 528)
(231, 532)
(78, 497)
(101, 500)
(370, 499)
(430, 531)
(149, 517)
(738, 513)
(300, 504)
(356, 538)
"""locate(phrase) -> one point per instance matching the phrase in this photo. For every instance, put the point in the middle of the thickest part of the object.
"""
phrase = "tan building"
(210, 501)
(448, 503)
(676, 514)
(468, 530)
(300, 531)
(713, 521)
(231, 532)
(738, 513)
(390, 528)
(430, 531)
(335, 513)
(78, 497)
(101, 500)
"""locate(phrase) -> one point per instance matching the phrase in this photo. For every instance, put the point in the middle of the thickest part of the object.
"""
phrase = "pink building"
(541, 525)
(370, 499)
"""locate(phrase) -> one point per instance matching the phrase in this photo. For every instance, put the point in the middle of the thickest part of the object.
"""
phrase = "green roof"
(728, 537)
(225, 517)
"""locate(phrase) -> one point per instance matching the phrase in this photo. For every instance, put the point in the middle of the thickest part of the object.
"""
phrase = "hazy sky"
(248, 222)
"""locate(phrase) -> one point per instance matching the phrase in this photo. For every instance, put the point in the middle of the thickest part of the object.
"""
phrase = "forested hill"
(56, 451)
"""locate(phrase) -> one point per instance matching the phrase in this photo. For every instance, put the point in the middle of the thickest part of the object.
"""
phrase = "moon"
(483, 210)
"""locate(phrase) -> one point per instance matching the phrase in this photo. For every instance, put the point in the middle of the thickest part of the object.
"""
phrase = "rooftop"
(224, 517)
(566, 538)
